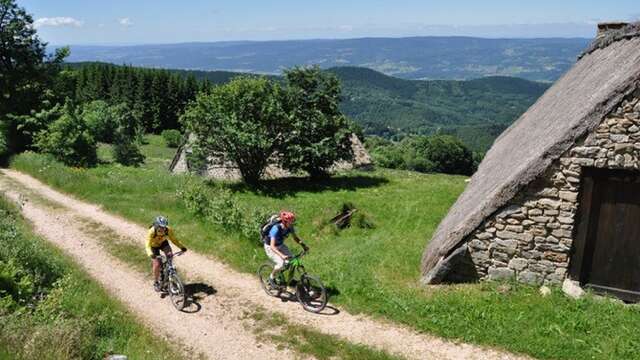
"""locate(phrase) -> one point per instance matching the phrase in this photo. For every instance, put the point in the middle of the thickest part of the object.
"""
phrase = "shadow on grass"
(292, 185)
(195, 293)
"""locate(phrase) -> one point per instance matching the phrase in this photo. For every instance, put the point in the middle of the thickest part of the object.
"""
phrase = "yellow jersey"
(154, 239)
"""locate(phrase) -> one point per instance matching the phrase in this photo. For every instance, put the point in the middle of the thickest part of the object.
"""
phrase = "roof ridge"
(629, 31)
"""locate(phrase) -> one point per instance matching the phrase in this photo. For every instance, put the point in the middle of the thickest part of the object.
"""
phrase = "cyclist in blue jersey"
(274, 245)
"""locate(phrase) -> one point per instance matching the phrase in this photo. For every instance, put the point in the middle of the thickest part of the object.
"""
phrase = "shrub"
(4, 142)
(436, 153)
(127, 152)
(172, 137)
(22, 285)
(447, 154)
(101, 120)
(68, 139)
(218, 206)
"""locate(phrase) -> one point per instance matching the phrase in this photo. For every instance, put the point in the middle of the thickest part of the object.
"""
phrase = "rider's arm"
(172, 236)
(275, 248)
(147, 244)
(299, 241)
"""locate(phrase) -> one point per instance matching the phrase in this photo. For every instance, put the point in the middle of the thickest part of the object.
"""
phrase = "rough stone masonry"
(530, 238)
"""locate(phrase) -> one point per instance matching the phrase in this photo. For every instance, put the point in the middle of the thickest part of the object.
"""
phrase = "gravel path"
(214, 327)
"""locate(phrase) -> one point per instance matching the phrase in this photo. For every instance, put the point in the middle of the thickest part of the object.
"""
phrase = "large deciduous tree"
(241, 121)
(26, 72)
(319, 134)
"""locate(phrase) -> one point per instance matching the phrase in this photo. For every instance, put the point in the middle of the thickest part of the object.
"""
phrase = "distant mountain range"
(452, 58)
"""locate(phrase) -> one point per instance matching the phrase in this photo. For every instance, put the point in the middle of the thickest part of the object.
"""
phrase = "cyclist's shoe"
(273, 284)
(156, 286)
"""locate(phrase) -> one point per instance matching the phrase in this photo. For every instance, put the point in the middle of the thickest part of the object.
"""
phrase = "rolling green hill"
(476, 111)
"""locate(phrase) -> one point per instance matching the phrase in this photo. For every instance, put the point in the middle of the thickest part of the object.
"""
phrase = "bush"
(22, 286)
(127, 152)
(101, 120)
(172, 137)
(218, 206)
(4, 143)
(447, 154)
(69, 140)
(436, 153)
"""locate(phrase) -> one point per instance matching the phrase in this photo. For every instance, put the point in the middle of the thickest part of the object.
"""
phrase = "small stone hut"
(558, 194)
(217, 169)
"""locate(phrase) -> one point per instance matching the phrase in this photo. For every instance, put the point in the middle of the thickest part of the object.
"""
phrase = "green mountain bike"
(309, 290)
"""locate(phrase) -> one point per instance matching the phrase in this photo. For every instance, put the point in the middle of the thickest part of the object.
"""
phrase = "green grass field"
(373, 271)
(75, 319)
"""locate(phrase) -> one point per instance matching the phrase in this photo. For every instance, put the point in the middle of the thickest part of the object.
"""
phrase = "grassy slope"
(77, 319)
(374, 271)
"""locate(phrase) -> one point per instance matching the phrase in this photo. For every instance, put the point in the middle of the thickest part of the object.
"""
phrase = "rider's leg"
(280, 264)
(156, 268)
(166, 248)
(278, 261)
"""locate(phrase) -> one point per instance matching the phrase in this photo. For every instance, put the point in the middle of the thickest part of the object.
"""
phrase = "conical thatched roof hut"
(217, 169)
(549, 199)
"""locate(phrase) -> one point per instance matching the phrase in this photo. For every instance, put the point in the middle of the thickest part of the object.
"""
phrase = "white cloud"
(57, 22)
(126, 22)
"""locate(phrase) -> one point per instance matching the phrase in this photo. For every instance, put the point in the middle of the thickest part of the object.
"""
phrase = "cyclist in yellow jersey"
(157, 237)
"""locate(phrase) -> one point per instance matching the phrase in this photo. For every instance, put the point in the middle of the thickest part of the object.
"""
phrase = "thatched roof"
(571, 108)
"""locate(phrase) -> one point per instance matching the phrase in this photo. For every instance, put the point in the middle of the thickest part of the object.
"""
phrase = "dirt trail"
(236, 288)
(213, 331)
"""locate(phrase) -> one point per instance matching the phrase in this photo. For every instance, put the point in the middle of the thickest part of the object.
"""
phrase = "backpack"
(267, 225)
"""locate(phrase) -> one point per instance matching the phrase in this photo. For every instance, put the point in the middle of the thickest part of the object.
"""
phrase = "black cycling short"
(164, 247)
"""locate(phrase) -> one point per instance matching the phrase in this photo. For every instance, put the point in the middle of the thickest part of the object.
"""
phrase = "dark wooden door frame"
(582, 250)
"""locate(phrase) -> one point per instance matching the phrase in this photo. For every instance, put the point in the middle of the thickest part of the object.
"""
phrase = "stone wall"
(530, 238)
(216, 169)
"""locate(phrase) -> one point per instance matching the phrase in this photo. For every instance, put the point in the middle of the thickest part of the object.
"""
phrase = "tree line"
(156, 96)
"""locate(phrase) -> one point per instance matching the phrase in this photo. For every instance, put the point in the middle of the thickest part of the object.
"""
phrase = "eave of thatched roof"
(571, 108)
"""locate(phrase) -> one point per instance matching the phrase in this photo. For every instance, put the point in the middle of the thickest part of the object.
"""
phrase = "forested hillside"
(476, 111)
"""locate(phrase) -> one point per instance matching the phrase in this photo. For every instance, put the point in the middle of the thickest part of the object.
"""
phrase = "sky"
(76, 22)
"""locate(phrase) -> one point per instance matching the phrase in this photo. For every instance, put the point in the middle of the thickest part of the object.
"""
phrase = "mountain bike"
(309, 290)
(170, 281)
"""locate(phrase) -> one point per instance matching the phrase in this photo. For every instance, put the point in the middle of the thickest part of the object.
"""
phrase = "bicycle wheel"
(311, 293)
(176, 291)
(264, 271)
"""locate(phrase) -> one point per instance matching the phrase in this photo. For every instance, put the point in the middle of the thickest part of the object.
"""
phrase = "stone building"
(558, 194)
(217, 169)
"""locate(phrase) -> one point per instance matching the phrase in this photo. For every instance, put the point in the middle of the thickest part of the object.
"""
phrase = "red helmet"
(287, 217)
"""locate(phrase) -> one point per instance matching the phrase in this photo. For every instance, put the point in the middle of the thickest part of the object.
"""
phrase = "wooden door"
(609, 233)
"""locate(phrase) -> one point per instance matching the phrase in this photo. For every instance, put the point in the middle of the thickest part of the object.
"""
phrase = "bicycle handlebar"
(301, 254)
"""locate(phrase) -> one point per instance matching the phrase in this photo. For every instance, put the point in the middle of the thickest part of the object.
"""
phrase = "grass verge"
(369, 270)
(52, 310)
(275, 328)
